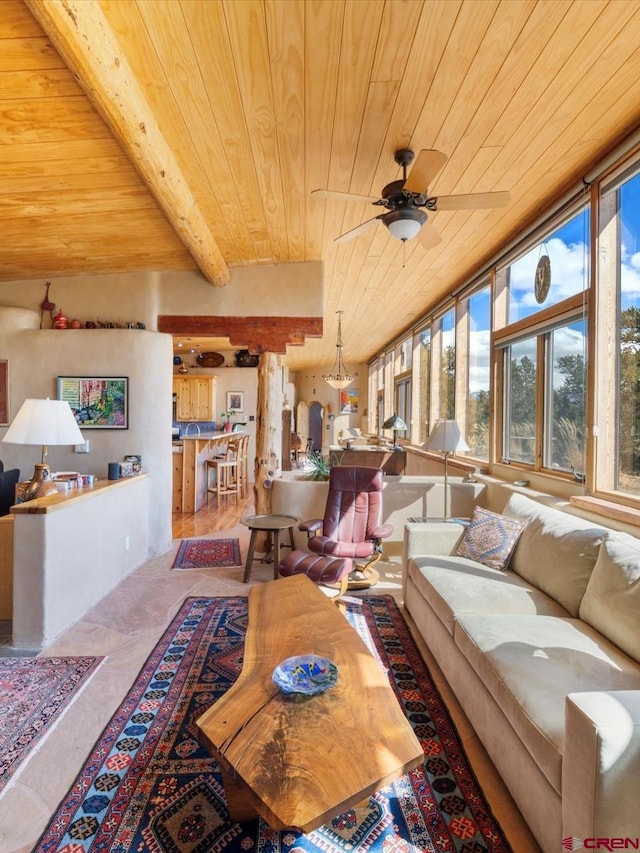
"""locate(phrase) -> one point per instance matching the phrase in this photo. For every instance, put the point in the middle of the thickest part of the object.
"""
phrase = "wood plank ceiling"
(209, 122)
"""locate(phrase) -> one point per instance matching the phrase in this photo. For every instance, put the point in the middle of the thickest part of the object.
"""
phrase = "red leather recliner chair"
(351, 530)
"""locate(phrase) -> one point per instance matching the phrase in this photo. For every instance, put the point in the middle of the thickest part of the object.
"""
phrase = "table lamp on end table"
(446, 438)
(44, 422)
(395, 423)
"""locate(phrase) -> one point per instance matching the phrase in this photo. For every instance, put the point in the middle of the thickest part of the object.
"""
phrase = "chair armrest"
(311, 526)
(382, 532)
(601, 764)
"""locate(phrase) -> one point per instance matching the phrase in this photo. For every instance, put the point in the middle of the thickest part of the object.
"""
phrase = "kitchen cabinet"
(195, 398)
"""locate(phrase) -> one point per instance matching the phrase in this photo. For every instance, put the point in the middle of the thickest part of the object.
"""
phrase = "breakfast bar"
(190, 468)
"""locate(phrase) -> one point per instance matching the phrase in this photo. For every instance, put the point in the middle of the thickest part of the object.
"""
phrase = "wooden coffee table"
(300, 762)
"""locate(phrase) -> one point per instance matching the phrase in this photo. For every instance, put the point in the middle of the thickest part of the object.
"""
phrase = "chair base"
(362, 577)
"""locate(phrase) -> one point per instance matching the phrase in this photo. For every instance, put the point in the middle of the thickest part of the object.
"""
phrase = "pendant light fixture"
(339, 376)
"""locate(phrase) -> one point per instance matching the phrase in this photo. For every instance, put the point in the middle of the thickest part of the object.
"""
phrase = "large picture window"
(567, 250)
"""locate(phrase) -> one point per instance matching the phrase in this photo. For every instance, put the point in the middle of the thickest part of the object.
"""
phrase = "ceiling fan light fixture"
(339, 377)
(405, 224)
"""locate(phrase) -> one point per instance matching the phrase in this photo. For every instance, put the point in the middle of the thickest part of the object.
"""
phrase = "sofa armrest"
(601, 764)
(432, 537)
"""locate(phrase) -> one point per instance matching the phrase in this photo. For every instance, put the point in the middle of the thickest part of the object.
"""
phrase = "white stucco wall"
(287, 290)
(37, 357)
(66, 560)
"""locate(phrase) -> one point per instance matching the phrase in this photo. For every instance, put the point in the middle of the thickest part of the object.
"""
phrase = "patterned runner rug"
(33, 694)
(149, 787)
(207, 553)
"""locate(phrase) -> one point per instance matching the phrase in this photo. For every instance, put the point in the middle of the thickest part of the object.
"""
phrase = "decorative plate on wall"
(542, 278)
(210, 359)
(245, 359)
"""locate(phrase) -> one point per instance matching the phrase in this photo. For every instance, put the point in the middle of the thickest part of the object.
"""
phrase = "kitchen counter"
(190, 477)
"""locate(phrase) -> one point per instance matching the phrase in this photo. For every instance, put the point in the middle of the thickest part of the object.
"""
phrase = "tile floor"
(124, 627)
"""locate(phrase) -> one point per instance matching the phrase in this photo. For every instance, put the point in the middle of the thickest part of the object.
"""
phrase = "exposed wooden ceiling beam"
(84, 39)
(259, 334)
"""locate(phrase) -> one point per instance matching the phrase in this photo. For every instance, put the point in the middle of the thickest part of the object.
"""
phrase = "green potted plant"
(227, 425)
(319, 467)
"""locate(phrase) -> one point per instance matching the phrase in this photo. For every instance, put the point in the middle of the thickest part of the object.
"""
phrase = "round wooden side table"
(272, 525)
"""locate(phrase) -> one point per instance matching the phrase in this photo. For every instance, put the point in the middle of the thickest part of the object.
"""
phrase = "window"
(422, 381)
(447, 377)
(567, 249)
(475, 316)
(555, 361)
(618, 316)
(403, 402)
(566, 398)
(520, 402)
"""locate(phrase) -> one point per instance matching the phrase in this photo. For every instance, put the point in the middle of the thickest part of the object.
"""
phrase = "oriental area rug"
(33, 694)
(207, 554)
(148, 786)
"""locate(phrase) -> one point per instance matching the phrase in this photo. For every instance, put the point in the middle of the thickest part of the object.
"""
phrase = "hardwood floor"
(221, 513)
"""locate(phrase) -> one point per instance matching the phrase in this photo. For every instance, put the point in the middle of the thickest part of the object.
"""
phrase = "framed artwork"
(349, 401)
(4, 392)
(97, 402)
(235, 401)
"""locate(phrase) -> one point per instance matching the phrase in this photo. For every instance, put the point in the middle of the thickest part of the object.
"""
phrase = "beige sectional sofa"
(544, 659)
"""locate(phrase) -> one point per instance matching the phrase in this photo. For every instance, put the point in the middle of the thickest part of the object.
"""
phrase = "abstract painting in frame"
(4, 392)
(97, 402)
(349, 399)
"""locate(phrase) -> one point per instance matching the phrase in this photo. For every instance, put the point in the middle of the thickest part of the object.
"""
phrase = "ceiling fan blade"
(344, 196)
(355, 232)
(428, 236)
(471, 201)
(428, 164)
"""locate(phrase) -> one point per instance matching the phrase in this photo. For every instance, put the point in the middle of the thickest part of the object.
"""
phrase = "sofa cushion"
(530, 663)
(455, 585)
(556, 551)
(490, 538)
(611, 602)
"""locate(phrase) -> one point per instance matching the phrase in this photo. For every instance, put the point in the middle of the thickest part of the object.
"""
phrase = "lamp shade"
(44, 422)
(446, 437)
(405, 224)
(395, 422)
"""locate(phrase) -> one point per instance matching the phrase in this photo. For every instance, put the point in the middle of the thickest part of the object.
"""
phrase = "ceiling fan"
(405, 198)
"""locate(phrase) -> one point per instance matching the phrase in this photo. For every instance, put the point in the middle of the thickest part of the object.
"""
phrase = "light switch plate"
(82, 448)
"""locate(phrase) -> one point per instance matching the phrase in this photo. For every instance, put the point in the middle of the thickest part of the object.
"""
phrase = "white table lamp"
(44, 422)
(447, 439)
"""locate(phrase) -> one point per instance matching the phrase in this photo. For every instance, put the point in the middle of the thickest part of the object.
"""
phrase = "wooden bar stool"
(226, 472)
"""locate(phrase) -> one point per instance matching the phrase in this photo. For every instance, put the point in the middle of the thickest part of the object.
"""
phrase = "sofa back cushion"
(611, 603)
(556, 552)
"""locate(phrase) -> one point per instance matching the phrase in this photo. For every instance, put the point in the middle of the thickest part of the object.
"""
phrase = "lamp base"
(41, 483)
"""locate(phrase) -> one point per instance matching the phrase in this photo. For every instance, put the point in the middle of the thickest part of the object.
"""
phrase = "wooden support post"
(268, 435)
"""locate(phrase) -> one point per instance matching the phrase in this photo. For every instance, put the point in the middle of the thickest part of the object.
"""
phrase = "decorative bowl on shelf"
(305, 674)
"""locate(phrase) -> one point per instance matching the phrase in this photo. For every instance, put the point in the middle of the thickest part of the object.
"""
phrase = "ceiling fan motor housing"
(395, 196)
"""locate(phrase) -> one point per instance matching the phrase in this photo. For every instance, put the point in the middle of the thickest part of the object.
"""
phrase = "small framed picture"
(100, 402)
(235, 401)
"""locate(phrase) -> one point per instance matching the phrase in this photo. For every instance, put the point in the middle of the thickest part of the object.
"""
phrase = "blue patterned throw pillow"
(490, 538)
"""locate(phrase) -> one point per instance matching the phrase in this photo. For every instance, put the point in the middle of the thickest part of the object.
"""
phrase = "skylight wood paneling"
(261, 101)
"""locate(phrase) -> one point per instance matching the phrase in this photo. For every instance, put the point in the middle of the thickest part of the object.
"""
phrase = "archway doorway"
(316, 421)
